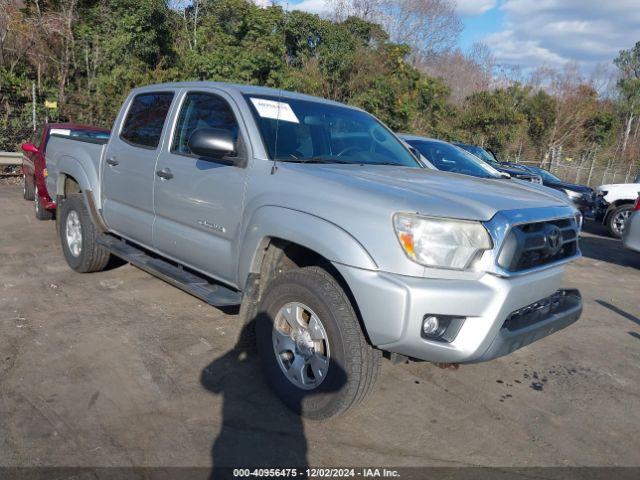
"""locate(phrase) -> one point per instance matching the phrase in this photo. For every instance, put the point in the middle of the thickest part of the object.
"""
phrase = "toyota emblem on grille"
(553, 240)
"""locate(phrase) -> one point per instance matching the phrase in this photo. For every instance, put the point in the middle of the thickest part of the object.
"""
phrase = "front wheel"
(313, 351)
(79, 237)
(618, 219)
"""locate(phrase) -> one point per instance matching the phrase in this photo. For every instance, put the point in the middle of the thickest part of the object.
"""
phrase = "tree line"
(83, 56)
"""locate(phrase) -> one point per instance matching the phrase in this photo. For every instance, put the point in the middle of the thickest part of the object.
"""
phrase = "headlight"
(573, 195)
(440, 242)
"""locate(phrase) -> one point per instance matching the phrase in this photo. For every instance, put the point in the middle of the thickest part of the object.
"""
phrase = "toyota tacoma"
(335, 240)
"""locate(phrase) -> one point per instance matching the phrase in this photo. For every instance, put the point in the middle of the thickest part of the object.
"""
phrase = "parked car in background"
(631, 235)
(447, 157)
(331, 235)
(34, 169)
(583, 197)
(490, 159)
(614, 204)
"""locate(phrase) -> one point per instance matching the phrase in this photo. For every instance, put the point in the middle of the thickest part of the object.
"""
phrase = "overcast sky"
(532, 33)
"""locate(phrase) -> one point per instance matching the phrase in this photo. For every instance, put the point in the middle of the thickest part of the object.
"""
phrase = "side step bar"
(198, 286)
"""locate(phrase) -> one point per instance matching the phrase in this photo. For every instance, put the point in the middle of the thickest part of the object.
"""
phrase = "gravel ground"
(119, 368)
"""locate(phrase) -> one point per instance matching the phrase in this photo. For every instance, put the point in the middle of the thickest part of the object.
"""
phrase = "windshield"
(450, 158)
(547, 176)
(481, 153)
(307, 131)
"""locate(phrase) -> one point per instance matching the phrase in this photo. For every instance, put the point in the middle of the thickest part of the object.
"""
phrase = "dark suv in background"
(489, 158)
(583, 197)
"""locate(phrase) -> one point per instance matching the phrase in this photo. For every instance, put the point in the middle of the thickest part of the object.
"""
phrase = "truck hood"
(433, 192)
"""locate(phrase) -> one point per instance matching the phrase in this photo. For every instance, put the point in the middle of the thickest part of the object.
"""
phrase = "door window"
(203, 110)
(145, 119)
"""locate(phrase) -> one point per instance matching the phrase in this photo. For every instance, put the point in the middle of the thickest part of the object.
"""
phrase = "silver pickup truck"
(332, 236)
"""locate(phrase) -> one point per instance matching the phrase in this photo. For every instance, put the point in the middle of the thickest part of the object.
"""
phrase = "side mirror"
(212, 143)
(29, 147)
(415, 152)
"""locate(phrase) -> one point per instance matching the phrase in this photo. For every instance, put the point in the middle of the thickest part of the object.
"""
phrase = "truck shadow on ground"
(258, 430)
(599, 246)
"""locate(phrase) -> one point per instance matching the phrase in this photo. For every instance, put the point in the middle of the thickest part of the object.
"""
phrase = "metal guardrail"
(10, 158)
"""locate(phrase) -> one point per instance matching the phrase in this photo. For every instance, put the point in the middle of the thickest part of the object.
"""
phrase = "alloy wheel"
(301, 345)
(620, 220)
(73, 233)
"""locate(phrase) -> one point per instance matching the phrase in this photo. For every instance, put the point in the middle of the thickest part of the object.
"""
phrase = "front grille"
(535, 244)
(559, 302)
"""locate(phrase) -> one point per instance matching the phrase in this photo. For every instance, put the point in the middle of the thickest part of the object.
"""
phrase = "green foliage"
(600, 127)
(493, 118)
(540, 111)
(628, 63)
(120, 44)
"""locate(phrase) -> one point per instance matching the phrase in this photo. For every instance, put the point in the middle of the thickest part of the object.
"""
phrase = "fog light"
(430, 325)
(441, 328)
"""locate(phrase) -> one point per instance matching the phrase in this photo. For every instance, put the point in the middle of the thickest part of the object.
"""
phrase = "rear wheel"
(313, 351)
(617, 220)
(28, 192)
(41, 212)
(79, 237)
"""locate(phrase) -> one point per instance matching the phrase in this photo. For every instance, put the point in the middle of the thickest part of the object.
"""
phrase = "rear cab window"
(145, 119)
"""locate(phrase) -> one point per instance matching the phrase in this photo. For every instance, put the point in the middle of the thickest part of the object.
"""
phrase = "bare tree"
(464, 74)
(365, 9)
(430, 27)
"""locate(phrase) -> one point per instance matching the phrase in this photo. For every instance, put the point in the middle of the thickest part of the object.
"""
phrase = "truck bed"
(80, 155)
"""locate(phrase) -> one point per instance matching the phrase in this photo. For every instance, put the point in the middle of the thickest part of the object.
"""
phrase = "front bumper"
(586, 206)
(393, 308)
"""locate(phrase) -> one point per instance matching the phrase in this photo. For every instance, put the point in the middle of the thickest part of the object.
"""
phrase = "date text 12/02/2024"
(316, 473)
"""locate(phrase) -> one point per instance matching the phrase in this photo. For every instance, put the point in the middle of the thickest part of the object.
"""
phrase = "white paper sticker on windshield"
(60, 131)
(276, 110)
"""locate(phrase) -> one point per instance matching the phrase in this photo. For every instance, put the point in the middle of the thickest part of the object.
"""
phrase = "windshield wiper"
(316, 159)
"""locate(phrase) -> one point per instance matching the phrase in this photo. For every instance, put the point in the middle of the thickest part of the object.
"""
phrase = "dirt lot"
(119, 368)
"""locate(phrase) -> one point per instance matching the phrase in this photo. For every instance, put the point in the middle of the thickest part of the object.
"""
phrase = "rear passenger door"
(199, 201)
(129, 167)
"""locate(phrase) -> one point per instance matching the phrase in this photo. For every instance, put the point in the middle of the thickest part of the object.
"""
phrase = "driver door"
(198, 201)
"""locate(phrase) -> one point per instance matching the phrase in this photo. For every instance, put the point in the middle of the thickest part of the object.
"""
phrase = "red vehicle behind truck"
(34, 170)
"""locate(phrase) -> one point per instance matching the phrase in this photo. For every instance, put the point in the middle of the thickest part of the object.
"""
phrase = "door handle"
(165, 173)
(112, 161)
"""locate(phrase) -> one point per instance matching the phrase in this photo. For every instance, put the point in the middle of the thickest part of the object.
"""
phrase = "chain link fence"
(585, 168)
(22, 111)
(591, 176)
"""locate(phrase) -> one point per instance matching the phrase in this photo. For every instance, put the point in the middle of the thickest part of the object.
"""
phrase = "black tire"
(353, 363)
(41, 212)
(92, 256)
(28, 190)
(615, 218)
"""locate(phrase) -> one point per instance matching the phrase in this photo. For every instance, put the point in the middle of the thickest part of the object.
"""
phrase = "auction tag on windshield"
(276, 110)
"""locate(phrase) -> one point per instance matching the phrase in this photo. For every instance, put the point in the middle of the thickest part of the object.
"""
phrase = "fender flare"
(70, 167)
(315, 233)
